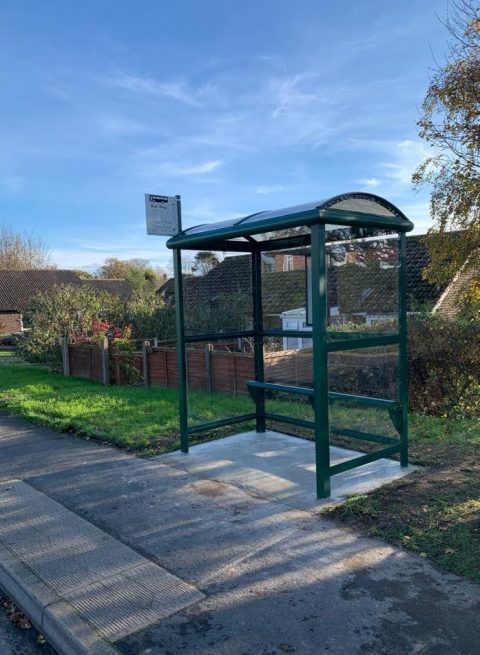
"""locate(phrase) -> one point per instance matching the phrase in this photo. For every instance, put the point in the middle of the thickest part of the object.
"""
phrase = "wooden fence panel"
(217, 370)
(196, 370)
(289, 367)
(85, 361)
(372, 373)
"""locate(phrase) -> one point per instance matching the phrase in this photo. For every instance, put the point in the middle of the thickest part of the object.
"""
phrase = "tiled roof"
(18, 287)
(232, 275)
(420, 292)
(447, 303)
(121, 288)
(283, 291)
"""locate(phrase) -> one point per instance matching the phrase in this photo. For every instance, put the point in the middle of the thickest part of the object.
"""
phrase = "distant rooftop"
(18, 287)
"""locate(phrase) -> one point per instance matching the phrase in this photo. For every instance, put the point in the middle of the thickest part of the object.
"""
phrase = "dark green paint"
(364, 459)
(320, 361)
(221, 423)
(181, 354)
(403, 355)
(258, 337)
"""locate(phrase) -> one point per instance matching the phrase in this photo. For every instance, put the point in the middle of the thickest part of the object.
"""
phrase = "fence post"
(118, 373)
(65, 356)
(104, 362)
(145, 361)
(155, 342)
(235, 391)
(166, 367)
(208, 366)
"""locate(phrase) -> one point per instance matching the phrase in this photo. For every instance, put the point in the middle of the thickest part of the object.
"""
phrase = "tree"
(83, 275)
(19, 252)
(450, 124)
(139, 272)
(204, 262)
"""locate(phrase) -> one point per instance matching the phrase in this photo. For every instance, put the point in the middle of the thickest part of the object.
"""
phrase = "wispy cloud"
(264, 190)
(393, 162)
(148, 85)
(11, 183)
(198, 169)
(150, 163)
(370, 182)
(121, 125)
(407, 155)
(300, 90)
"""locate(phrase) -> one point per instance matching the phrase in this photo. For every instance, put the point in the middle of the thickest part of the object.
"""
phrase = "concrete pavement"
(275, 578)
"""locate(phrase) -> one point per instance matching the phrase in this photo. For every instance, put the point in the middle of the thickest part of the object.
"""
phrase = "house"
(17, 288)
(231, 275)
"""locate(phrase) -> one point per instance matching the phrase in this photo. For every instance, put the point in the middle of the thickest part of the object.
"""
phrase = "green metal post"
(320, 361)
(180, 329)
(403, 345)
(258, 337)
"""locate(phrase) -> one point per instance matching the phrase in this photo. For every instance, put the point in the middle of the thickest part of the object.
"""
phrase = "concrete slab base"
(281, 468)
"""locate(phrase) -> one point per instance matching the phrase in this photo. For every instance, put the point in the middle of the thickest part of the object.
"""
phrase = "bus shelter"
(350, 252)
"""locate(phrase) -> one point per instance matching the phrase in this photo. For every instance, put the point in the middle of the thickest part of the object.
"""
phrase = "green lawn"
(130, 417)
(434, 511)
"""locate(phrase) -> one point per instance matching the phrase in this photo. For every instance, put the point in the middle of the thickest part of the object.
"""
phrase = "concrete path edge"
(62, 627)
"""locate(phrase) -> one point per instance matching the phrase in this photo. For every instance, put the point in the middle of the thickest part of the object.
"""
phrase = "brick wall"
(298, 263)
(10, 323)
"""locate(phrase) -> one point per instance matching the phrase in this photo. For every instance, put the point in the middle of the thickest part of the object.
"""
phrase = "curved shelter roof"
(348, 209)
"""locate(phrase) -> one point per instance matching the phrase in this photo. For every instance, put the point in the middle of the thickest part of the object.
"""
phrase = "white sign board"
(162, 215)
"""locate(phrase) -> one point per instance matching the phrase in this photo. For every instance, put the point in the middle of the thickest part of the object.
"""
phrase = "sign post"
(164, 218)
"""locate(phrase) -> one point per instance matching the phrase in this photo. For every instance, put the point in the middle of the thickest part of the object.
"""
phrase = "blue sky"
(238, 107)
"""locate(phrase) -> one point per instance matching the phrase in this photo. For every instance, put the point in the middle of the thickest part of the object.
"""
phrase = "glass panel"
(354, 416)
(365, 372)
(284, 292)
(289, 366)
(293, 406)
(217, 293)
(279, 213)
(217, 374)
(282, 234)
(362, 283)
(346, 233)
(209, 227)
(363, 203)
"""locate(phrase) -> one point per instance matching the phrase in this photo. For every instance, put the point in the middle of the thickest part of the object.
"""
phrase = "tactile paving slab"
(117, 606)
(113, 588)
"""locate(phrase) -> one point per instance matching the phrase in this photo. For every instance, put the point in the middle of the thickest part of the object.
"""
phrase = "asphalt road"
(15, 641)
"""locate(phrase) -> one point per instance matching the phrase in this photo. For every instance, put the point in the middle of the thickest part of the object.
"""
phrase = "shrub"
(79, 312)
(444, 365)
(469, 303)
(69, 311)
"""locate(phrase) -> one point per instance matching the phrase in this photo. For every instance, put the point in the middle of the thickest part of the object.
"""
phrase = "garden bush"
(444, 366)
(71, 311)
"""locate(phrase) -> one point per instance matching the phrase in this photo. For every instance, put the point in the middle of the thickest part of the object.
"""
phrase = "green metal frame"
(324, 342)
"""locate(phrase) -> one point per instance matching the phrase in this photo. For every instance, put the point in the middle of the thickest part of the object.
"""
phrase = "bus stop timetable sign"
(162, 215)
